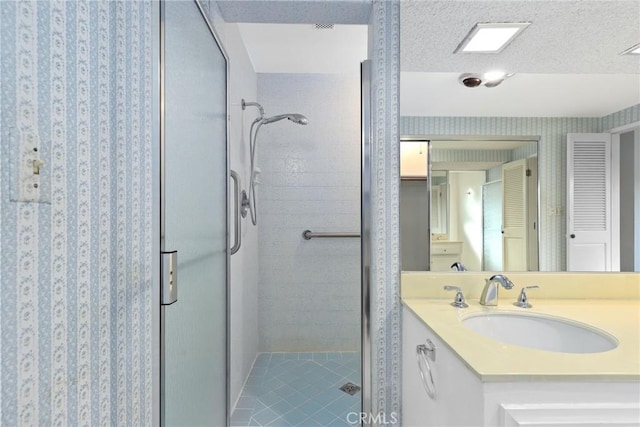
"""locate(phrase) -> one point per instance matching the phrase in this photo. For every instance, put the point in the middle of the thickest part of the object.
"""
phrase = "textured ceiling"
(296, 11)
(566, 39)
(584, 36)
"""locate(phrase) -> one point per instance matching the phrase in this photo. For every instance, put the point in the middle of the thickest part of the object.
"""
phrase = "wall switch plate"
(30, 168)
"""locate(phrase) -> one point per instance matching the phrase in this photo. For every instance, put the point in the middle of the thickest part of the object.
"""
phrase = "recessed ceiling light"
(633, 50)
(490, 37)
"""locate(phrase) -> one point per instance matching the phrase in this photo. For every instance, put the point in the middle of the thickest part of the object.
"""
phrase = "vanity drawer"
(446, 248)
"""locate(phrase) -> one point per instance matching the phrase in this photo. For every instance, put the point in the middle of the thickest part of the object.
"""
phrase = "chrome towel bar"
(308, 234)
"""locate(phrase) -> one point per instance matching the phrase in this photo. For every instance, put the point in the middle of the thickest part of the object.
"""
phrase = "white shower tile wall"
(76, 344)
(309, 291)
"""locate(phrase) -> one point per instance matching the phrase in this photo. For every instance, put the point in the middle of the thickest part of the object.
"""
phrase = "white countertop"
(492, 360)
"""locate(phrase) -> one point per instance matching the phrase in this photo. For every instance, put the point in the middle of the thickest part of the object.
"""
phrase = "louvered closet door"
(588, 202)
(514, 216)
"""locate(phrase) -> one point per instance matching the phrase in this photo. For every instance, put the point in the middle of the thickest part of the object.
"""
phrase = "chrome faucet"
(458, 266)
(490, 292)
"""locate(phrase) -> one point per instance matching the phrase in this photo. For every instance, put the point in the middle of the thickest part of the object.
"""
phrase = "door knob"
(573, 236)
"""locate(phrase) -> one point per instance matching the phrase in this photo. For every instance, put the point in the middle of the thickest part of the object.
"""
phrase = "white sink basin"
(541, 332)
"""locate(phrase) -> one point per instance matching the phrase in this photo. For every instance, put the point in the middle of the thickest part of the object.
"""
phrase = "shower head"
(295, 118)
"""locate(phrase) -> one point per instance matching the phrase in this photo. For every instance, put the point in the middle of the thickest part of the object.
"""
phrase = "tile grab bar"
(308, 234)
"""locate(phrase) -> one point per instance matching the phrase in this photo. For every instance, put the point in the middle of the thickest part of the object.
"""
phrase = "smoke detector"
(489, 79)
(470, 80)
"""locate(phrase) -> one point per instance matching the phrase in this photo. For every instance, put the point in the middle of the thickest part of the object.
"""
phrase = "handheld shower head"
(253, 134)
(295, 118)
(298, 119)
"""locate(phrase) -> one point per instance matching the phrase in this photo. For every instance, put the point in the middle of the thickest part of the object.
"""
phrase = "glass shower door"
(194, 218)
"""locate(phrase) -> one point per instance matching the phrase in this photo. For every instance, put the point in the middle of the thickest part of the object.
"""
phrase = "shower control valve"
(244, 204)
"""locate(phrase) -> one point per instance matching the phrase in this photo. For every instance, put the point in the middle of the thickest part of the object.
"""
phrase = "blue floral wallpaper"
(75, 283)
(385, 325)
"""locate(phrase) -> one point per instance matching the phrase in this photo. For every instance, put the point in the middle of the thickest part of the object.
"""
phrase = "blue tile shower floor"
(299, 389)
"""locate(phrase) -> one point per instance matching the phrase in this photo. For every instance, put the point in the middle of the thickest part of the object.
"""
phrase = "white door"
(532, 213)
(492, 226)
(514, 216)
(589, 202)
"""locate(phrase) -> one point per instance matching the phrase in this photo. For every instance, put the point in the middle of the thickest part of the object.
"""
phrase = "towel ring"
(424, 368)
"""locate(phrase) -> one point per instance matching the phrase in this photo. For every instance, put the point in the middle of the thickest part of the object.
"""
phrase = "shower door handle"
(169, 278)
(237, 222)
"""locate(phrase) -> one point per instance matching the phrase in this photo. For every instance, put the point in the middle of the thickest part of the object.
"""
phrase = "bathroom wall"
(75, 311)
(524, 151)
(494, 174)
(453, 155)
(244, 263)
(309, 291)
(620, 118)
(465, 215)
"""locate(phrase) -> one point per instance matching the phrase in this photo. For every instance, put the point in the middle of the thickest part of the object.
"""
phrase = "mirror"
(551, 90)
(466, 205)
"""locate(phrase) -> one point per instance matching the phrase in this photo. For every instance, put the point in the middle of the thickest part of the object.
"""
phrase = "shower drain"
(350, 388)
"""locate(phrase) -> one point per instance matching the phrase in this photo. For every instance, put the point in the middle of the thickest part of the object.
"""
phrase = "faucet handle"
(458, 301)
(523, 301)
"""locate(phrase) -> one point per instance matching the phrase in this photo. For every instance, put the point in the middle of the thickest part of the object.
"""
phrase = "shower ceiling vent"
(324, 26)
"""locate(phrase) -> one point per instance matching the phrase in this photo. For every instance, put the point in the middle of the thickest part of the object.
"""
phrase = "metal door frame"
(160, 247)
(365, 242)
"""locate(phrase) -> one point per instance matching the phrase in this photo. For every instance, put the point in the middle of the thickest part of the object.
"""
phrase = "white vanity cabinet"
(463, 399)
(444, 253)
(458, 393)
